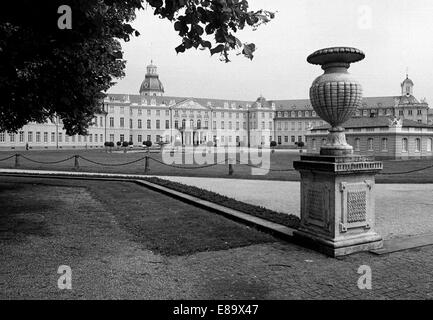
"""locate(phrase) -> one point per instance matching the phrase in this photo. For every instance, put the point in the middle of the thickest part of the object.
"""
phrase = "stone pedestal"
(337, 203)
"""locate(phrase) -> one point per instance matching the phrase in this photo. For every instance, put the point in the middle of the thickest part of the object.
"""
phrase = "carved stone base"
(336, 144)
(337, 203)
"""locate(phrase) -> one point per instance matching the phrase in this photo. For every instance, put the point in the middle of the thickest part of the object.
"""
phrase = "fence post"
(17, 160)
(76, 163)
(230, 169)
(146, 164)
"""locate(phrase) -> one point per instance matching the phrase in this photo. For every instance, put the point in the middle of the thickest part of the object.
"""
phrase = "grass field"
(279, 161)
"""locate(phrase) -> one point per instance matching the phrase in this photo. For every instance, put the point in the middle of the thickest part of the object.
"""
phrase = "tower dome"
(151, 85)
(407, 87)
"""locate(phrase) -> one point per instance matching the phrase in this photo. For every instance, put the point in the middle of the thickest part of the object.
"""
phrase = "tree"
(48, 72)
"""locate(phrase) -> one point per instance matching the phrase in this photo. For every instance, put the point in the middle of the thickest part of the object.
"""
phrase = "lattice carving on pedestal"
(356, 206)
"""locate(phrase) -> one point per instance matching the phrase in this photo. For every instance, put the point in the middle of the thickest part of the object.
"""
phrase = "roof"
(280, 105)
(375, 122)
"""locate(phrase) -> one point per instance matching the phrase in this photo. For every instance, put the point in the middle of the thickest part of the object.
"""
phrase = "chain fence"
(147, 158)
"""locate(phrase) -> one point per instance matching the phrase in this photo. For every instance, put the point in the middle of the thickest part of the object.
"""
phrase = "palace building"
(151, 115)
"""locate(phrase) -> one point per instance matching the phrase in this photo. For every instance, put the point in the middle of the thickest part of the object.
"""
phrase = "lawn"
(280, 161)
(44, 208)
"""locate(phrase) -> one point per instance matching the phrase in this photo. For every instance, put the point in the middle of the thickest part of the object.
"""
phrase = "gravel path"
(401, 209)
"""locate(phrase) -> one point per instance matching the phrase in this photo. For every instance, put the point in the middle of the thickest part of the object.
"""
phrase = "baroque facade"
(150, 115)
(384, 137)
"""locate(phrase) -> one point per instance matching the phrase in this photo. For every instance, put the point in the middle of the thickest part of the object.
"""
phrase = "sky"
(396, 36)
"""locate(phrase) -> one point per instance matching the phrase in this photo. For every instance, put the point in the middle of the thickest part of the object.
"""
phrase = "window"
(45, 137)
(279, 139)
(38, 137)
(244, 125)
(139, 112)
(148, 124)
(158, 113)
(237, 125)
(79, 138)
(167, 124)
(404, 145)
(73, 138)
(222, 124)
(90, 138)
(149, 137)
(140, 138)
(357, 144)
(429, 145)
(21, 136)
(263, 125)
(53, 136)
(191, 123)
(60, 137)
(149, 112)
(2, 137)
(299, 125)
(292, 138)
(111, 137)
(400, 113)
(409, 112)
(12, 137)
(111, 122)
(270, 125)
(183, 123)
(158, 126)
(122, 137)
(167, 112)
(370, 144)
(66, 138)
(130, 138)
(130, 123)
(122, 122)
(176, 124)
(122, 110)
(384, 144)
(419, 112)
(139, 123)
(111, 109)
(417, 145)
(101, 137)
(286, 139)
(96, 138)
(230, 125)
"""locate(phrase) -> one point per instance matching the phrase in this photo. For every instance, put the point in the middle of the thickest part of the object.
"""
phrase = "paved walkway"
(401, 209)
(85, 232)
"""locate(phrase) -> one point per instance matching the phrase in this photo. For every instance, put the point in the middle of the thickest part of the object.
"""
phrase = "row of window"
(183, 113)
(301, 125)
(384, 144)
(387, 112)
(294, 114)
(286, 139)
(192, 123)
(46, 137)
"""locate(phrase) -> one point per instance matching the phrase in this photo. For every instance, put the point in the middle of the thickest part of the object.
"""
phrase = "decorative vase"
(336, 95)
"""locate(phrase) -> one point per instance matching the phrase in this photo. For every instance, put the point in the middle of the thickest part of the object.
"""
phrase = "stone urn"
(336, 95)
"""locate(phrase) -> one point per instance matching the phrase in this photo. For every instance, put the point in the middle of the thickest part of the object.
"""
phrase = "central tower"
(151, 85)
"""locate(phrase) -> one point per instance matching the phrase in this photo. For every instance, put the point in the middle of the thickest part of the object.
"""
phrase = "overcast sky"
(398, 36)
